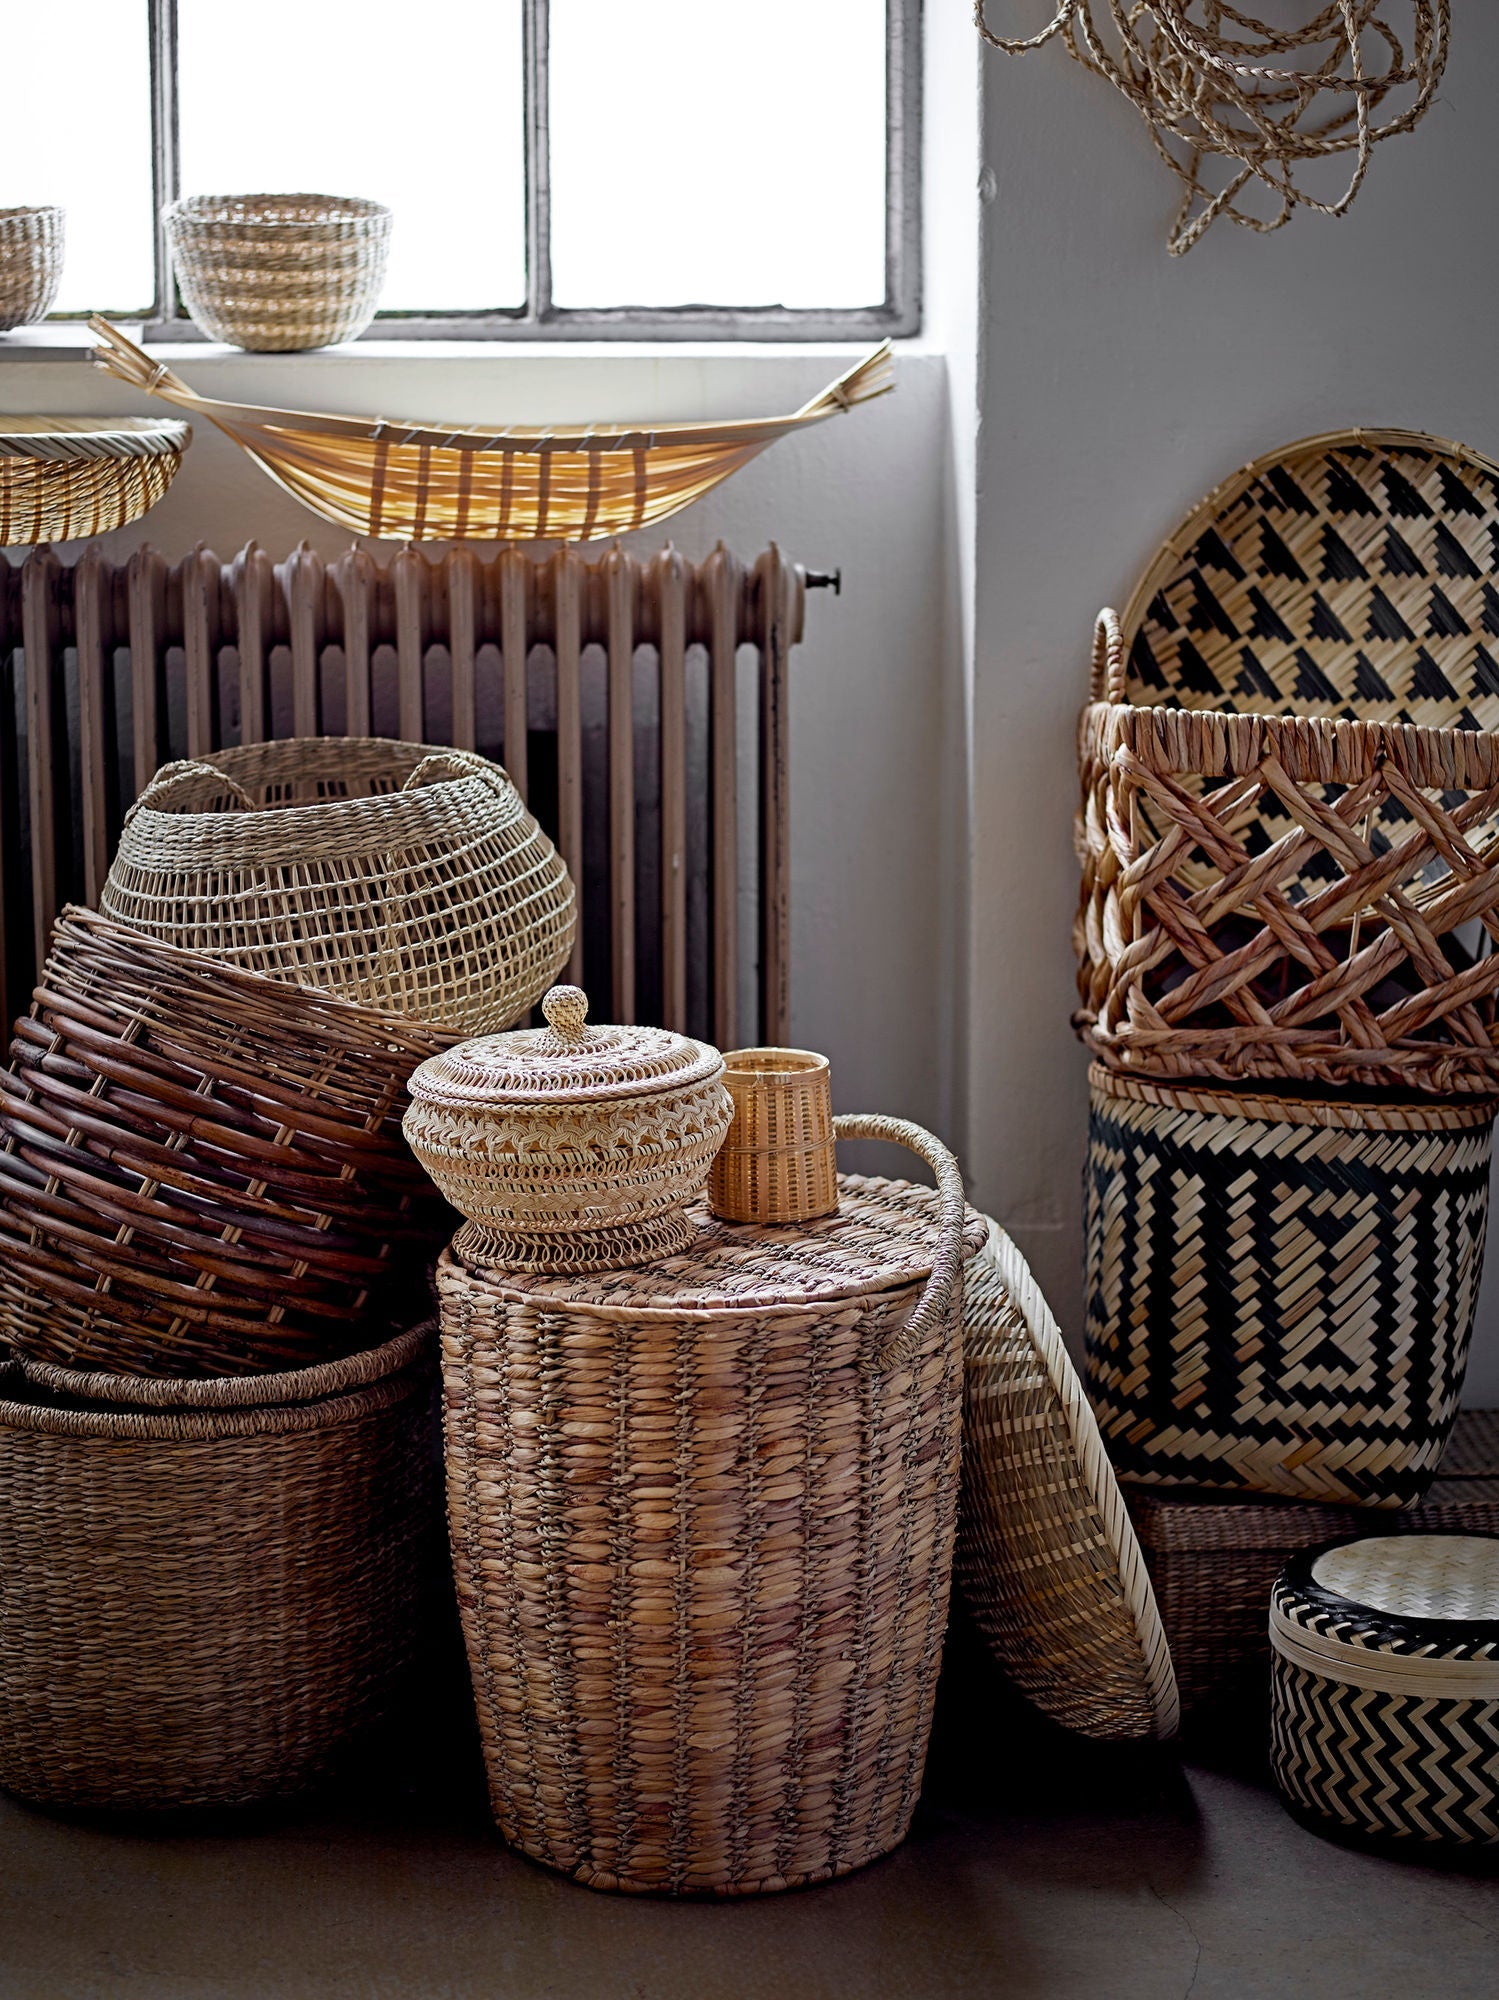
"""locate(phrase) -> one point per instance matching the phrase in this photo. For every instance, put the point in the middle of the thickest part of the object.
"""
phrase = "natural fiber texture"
(1279, 1291)
(202, 1171)
(1047, 1560)
(401, 878)
(204, 1601)
(1213, 1561)
(426, 483)
(1290, 788)
(727, 1685)
(570, 1147)
(31, 248)
(279, 272)
(778, 1163)
(1385, 1722)
(63, 479)
(1217, 85)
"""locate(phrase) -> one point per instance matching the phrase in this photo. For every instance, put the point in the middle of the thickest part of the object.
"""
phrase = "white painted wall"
(1116, 386)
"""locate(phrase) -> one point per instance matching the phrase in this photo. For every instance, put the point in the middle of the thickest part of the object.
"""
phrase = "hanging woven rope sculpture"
(1212, 82)
(411, 482)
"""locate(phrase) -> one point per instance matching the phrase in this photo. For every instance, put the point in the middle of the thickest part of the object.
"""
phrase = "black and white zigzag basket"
(1280, 1291)
(1385, 1687)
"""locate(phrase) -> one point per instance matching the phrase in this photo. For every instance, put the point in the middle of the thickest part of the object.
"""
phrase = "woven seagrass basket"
(1280, 1291)
(201, 1170)
(1213, 1562)
(31, 247)
(209, 1588)
(64, 479)
(279, 272)
(1384, 1704)
(1289, 828)
(750, 1455)
(394, 876)
(1047, 1559)
(778, 1163)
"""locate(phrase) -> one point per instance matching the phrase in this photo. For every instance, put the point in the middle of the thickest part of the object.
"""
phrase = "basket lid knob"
(566, 1010)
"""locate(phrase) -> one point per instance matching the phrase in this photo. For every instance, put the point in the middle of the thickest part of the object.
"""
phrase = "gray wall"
(1116, 386)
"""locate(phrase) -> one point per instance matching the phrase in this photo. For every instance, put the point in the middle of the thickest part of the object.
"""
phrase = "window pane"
(76, 131)
(708, 154)
(417, 107)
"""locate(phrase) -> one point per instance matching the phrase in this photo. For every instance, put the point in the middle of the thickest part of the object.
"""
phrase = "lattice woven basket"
(1280, 1291)
(31, 248)
(64, 479)
(750, 1454)
(1047, 1559)
(279, 272)
(209, 1588)
(400, 878)
(1289, 830)
(201, 1170)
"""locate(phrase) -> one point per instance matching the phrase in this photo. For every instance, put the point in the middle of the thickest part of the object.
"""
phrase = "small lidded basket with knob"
(570, 1148)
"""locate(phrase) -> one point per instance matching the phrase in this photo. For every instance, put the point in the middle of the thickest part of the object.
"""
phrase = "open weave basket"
(209, 1588)
(749, 1454)
(64, 479)
(401, 878)
(279, 272)
(1047, 1560)
(1280, 1291)
(31, 247)
(1289, 828)
(202, 1170)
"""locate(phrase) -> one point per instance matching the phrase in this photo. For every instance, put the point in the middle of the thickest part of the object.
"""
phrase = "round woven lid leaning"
(65, 479)
(1047, 1559)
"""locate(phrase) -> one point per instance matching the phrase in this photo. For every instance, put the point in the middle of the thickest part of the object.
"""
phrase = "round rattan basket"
(31, 250)
(750, 1455)
(1047, 1561)
(1279, 1291)
(279, 272)
(202, 1170)
(400, 878)
(1290, 765)
(209, 1588)
(63, 479)
(778, 1163)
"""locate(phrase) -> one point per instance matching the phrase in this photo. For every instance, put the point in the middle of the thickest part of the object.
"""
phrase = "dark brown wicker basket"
(208, 1588)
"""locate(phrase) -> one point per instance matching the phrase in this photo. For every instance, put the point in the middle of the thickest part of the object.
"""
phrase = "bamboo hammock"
(529, 483)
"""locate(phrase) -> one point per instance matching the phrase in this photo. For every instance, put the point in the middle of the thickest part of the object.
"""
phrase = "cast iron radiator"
(609, 687)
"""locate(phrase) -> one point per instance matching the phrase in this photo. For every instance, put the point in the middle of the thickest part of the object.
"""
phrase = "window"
(582, 168)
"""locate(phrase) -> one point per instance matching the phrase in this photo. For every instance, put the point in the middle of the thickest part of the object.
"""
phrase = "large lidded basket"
(279, 272)
(64, 479)
(391, 875)
(702, 1518)
(210, 1588)
(569, 1147)
(1289, 828)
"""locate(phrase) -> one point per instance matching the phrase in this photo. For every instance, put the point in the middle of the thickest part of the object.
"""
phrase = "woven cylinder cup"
(277, 273)
(31, 247)
(569, 1147)
(777, 1164)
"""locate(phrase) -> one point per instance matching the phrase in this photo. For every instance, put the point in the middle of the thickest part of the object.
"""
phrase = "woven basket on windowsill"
(279, 272)
(31, 250)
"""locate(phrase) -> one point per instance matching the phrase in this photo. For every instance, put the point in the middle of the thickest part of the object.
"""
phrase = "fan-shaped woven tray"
(63, 479)
(1291, 779)
(1047, 1559)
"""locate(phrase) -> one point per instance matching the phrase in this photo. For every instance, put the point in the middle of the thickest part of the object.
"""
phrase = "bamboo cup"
(777, 1164)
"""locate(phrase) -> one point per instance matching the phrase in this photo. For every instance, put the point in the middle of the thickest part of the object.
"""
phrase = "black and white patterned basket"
(1280, 1291)
(1385, 1686)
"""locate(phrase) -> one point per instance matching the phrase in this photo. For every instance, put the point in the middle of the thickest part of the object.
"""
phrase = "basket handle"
(171, 775)
(944, 1285)
(446, 764)
(1108, 680)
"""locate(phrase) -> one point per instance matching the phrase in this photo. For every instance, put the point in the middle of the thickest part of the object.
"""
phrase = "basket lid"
(564, 1062)
(56, 438)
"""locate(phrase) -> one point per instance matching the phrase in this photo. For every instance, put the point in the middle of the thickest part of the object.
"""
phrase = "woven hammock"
(411, 482)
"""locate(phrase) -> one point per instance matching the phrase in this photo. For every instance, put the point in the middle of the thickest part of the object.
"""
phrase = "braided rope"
(1268, 99)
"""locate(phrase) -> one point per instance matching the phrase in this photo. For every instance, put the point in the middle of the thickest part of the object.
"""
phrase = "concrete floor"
(1038, 1867)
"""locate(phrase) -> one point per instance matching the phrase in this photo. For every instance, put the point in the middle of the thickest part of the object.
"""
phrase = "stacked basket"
(205, 1192)
(1289, 838)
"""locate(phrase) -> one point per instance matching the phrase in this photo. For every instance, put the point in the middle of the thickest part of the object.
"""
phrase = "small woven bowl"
(31, 244)
(277, 273)
(777, 1164)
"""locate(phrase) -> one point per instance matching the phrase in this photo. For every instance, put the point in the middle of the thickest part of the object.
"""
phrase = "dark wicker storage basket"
(1280, 1291)
(208, 1588)
(702, 1517)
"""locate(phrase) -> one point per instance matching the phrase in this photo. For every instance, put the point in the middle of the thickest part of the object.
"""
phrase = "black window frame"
(898, 314)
